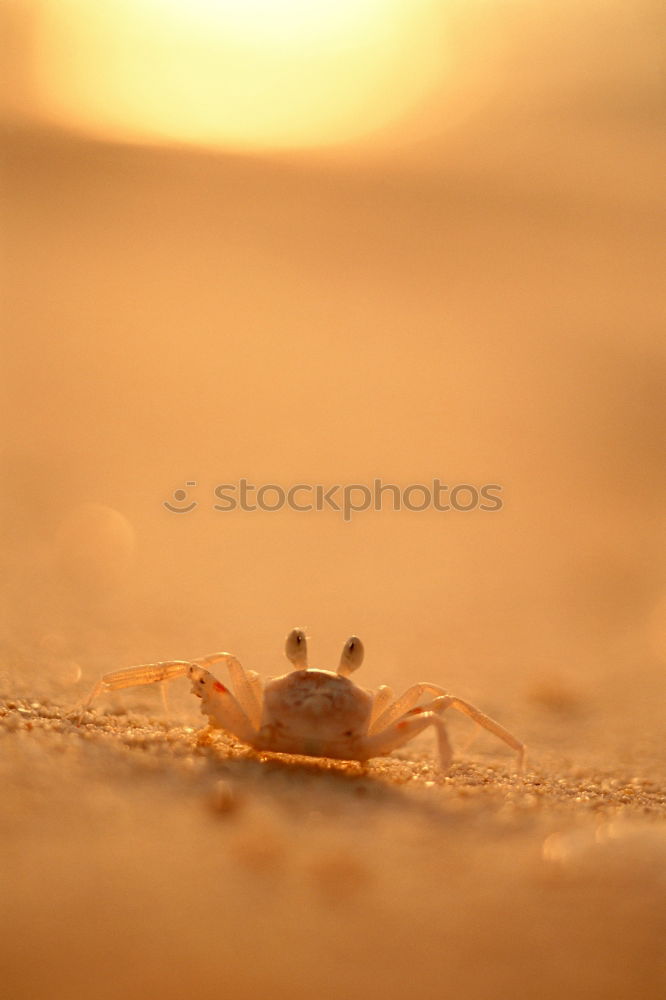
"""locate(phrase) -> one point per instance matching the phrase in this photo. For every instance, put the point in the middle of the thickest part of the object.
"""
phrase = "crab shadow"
(300, 784)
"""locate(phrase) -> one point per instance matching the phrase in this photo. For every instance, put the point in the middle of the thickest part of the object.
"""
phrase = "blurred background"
(327, 242)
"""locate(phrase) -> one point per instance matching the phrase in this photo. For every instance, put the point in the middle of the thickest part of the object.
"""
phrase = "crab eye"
(296, 648)
(354, 649)
(352, 656)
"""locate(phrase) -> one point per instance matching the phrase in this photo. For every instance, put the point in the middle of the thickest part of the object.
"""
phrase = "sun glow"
(239, 73)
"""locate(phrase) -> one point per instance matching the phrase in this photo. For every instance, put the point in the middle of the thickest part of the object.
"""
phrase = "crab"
(308, 711)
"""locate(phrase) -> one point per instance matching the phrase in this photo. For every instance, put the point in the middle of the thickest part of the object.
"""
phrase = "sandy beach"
(141, 856)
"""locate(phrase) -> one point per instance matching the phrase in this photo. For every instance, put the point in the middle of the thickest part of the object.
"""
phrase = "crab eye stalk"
(296, 649)
(352, 656)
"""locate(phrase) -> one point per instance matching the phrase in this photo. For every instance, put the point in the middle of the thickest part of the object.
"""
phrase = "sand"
(146, 858)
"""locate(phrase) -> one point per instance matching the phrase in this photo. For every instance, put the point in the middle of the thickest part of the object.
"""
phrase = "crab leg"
(403, 704)
(247, 691)
(383, 696)
(449, 701)
(401, 732)
(148, 673)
